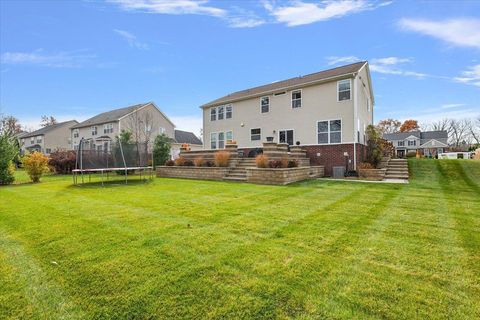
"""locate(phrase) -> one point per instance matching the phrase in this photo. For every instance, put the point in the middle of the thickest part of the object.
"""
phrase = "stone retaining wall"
(202, 173)
(317, 171)
(281, 176)
(372, 174)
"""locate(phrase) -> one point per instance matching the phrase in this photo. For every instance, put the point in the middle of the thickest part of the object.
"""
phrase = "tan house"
(47, 139)
(145, 121)
(325, 112)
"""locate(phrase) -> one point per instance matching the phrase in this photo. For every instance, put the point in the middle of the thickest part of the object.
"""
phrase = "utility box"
(338, 172)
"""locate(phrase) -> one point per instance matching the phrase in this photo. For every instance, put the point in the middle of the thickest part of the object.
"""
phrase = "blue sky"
(73, 59)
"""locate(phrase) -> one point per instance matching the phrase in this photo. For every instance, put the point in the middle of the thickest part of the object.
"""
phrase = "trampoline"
(111, 159)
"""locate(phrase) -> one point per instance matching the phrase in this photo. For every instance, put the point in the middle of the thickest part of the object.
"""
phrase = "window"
(329, 131)
(343, 87)
(228, 112)
(229, 136)
(265, 104)
(161, 130)
(213, 140)
(213, 114)
(108, 128)
(401, 143)
(220, 112)
(94, 130)
(285, 136)
(296, 99)
(48, 150)
(23, 142)
(221, 140)
(255, 134)
(39, 139)
(32, 140)
(106, 146)
(412, 143)
(75, 133)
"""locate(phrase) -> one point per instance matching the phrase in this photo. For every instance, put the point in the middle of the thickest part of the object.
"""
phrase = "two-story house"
(47, 139)
(325, 112)
(145, 121)
(429, 143)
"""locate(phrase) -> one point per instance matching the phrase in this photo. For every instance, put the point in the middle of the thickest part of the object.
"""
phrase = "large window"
(229, 136)
(75, 133)
(108, 128)
(221, 140)
(343, 87)
(213, 140)
(218, 139)
(220, 111)
(265, 104)
(39, 139)
(94, 130)
(213, 114)
(228, 112)
(285, 136)
(296, 99)
(412, 143)
(255, 134)
(329, 131)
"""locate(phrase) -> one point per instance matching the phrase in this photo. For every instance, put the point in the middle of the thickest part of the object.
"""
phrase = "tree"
(161, 149)
(409, 126)
(8, 153)
(48, 121)
(459, 132)
(440, 125)
(475, 131)
(10, 125)
(35, 164)
(388, 126)
(374, 151)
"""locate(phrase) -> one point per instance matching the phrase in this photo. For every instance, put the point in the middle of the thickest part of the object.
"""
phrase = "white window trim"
(250, 133)
(261, 111)
(341, 132)
(278, 135)
(96, 130)
(210, 114)
(218, 112)
(231, 107)
(301, 98)
(216, 140)
(338, 91)
(226, 136)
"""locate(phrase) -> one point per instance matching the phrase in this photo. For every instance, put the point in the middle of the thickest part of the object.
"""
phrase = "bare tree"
(475, 130)
(143, 128)
(460, 132)
(48, 121)
(441, 125)
(9, 125)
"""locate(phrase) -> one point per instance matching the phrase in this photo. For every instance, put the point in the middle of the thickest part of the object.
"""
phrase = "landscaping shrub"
(275, 164)
(161, 149)
(8, 153)
(261, 161)
(411, 154)
(198, 162)
(292, 164)
(35, 164)
(374, 149)
(365, 165)
(209, 163)
(188, 163)
(170, 163)
(222, 158)
(179, 161)
(62, 161)
(284, 161)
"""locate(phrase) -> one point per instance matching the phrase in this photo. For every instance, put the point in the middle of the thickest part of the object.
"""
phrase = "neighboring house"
(430, 143)
(47, 139)
(145, 121)
(184, 137)
(325, 112)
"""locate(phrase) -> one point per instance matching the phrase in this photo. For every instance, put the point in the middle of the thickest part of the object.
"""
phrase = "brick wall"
(332, 155)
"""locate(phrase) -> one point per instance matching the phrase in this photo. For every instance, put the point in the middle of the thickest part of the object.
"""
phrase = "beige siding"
(156, 118)
(58, 139)
(319, 102)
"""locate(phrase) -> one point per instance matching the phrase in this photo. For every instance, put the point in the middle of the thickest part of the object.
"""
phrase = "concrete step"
(397, 171)
(396, 176)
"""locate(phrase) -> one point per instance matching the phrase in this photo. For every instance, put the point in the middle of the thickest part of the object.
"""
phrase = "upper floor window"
(265, 104)
(213, 114)
(39, 139)
(401, 143)
(220, 111)
(255, 134)
(228, 112)
(161, 130)
(76, 134)
(32, 140)
(94, 130)
(343, 87)
(412, 142)
(296, 99)
(108, 128)
(329, 131)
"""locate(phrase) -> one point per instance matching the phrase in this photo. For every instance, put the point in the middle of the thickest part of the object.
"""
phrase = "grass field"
(196, 249)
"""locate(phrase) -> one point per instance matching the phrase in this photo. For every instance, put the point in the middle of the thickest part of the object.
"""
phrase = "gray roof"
(186, 137)
(418, 134)
(47, 129)
(282, 85)
(109, 116)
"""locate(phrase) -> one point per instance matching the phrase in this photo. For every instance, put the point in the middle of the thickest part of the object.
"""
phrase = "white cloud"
(33, 123)
(65, 59)
(131, 39)
(460, 32)
(452, 105)
(188, 123)
(470, 76)
(336, 60)
(299, 12)
(171, 7)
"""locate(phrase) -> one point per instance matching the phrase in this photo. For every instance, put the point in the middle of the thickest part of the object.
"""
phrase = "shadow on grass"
(110, 183)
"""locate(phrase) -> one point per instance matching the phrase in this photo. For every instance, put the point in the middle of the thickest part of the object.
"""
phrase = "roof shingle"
(46, 129)
(186, 137)
(109, 116)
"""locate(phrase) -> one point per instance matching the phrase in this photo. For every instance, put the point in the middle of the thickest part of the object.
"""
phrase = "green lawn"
(196, 249)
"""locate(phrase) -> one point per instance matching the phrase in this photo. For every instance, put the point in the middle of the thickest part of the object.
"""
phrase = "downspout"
(355, 116)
